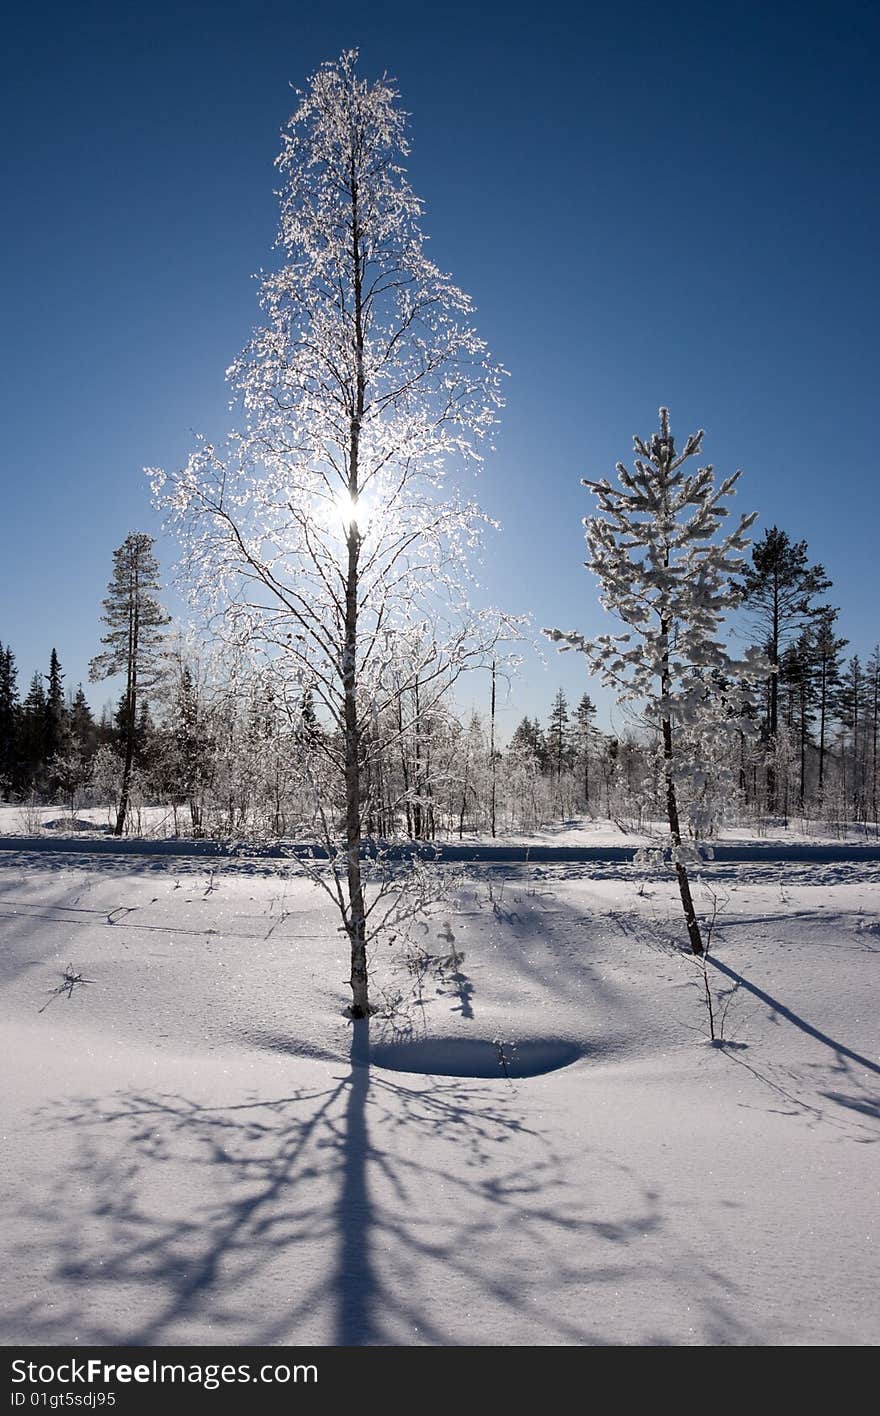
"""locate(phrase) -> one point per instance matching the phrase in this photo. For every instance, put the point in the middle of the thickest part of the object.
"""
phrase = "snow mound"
(475, 1057)
(285, 1044)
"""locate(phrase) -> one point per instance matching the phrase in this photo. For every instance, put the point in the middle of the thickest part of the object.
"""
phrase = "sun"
(351, 510)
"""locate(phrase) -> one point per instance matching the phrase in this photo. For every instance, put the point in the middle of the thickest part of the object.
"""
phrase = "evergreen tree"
(10, 765)
(669, 582)
(558, 739)
(559, 747)
(308, 732)
(852, 711)
(33, 734)
(56, 712)
(827, 650)
(106, 729)
(145, 733)
(779, 590)
(134, 642)
(193, 746)
(872, 703)
(81, 725)
(586, 739)
(797, 682)
(71, 763)
(528, 740)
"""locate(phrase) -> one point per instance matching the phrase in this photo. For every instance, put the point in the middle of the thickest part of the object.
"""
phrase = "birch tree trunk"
(357, 924)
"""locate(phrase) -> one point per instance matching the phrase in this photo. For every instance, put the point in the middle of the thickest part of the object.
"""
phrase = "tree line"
(222, 750)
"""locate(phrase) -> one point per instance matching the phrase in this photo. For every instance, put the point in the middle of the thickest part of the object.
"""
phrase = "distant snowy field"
(157, 822)
(194, 1155)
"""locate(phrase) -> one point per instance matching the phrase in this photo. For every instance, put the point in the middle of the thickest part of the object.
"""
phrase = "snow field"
(197, 1150)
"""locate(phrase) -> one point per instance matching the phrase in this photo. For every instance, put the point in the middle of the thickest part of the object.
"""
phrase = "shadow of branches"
(363, 1210)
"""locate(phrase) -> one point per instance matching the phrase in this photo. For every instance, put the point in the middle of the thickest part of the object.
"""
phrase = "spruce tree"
(559, 745)
(586, 738)
(529, 742)
(33, 734)
(308, 732)
(9, 724)
(82, 729)
(134, 642)
(56, 713)
(71, 764)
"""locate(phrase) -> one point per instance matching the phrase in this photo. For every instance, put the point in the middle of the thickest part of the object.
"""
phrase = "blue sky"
(649, 203)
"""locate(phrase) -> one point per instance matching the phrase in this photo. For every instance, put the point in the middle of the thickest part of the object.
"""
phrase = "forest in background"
(227, 751)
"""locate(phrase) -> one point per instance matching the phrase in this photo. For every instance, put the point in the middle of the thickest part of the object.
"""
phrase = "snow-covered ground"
(199, 1149)
(157, 822)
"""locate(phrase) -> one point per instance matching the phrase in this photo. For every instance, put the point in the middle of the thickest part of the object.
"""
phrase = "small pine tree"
(82, 729)
(665, 577)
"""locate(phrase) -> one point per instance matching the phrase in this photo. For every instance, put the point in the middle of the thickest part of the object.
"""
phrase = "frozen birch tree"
(324, 527)
(666, 576)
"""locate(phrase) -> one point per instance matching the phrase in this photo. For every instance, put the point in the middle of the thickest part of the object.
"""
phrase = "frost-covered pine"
(324, 528)
(667, 575)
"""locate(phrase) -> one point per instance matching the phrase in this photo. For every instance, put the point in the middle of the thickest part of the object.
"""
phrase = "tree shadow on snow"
(363, 1211)
(845, 1065)
(780, 1010)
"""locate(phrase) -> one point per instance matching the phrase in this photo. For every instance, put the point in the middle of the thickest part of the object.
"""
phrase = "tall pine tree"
(133, 643)
(827, 650)
(779, 590)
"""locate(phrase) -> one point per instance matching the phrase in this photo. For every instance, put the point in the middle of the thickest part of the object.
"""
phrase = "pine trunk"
(684, 884)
